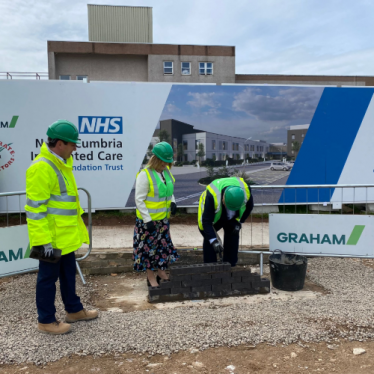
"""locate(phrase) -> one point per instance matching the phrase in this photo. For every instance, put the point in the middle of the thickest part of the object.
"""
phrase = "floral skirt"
(153, 250)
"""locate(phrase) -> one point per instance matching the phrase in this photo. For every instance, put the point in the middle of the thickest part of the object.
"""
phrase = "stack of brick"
(202, 281)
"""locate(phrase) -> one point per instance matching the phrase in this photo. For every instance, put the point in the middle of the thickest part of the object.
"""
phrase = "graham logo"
(14, 255)
(322, 238)
(6, 155)
(12, 124)
(100, 125)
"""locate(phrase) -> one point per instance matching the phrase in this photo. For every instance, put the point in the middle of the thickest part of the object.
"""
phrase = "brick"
(221, 287)
(171, 297)
(226, 266)
(221, 275)
(180, 277)
(248, 279)
(236, 279)
(180, 290)
(192, 283)
(191, 295)
(213, 281)
(165, 284)
(241, 273)
(180, 270)
(265, 282)
(216, 266)
(226, 280)
(154, 291)
(201, 268)
(206, 288)
(238, 286)
(201, 276)
(153, 299)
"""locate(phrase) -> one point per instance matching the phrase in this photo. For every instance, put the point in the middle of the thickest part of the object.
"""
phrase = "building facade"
(295, 139)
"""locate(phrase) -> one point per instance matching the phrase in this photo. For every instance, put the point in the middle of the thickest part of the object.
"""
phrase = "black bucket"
(287, 271)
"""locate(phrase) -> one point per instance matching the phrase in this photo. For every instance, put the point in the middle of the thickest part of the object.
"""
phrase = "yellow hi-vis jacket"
(159, 196)
(52, 207)
(216, 188)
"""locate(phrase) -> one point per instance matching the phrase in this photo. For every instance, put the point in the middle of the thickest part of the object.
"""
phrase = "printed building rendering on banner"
(269, 135)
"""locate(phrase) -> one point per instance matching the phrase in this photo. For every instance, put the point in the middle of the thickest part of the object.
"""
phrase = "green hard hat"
(163, 151)
(64, 130)
(234, 197)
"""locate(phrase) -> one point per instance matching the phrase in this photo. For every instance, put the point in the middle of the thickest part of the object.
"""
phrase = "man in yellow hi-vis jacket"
(54, 222)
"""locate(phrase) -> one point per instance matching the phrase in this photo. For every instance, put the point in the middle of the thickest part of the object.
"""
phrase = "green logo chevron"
(355, 235)
(28, 250)
(13, 122)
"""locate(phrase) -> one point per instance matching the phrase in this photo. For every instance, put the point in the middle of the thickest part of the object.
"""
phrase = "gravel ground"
(346, 312)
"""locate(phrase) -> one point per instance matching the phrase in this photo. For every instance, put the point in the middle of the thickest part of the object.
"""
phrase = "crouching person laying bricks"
(56, 229)
(226, 203)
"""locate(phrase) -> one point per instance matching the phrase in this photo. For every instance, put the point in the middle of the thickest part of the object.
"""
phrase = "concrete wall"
(223, 69)
(102, 67)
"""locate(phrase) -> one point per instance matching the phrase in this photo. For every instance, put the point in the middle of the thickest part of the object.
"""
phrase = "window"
(168, 67)
(214, 156)
(252, 148)
(65, 77)
(257, 148)
(175, 144)
(197, 144)
(224, 146)
(235, 146)
(185, 145)
(186, 68)
(206, 68)
(185, 157)
(213, 144)
(82, 78)
(246, 147)
(293, 136)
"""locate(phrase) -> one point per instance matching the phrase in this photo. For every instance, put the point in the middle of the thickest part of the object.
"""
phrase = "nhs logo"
(100, 125)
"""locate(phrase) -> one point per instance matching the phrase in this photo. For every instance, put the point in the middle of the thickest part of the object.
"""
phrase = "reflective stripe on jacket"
(159, 196)
(52, 207)
(215, 188)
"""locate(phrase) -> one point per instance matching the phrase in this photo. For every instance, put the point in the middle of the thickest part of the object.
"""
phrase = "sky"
(330, 37)
(260, 112)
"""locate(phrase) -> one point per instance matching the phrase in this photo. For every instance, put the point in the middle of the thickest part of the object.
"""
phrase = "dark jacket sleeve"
(248, 209)
(208, 217)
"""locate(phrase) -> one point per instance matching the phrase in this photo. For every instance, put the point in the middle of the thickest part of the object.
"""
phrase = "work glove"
(217, 246)
(150, 226)
(173, 208)
(236, 229)
(45, 253)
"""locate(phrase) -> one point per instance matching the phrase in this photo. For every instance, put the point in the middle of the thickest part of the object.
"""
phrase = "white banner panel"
(322, 234)
(14, 249)
(116, 122)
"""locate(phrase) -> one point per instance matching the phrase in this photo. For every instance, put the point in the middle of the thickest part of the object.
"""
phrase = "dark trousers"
(64, 270)
(230, 244)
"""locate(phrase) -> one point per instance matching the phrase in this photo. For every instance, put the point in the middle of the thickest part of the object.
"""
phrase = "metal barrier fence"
(23, 75)
(22, 211)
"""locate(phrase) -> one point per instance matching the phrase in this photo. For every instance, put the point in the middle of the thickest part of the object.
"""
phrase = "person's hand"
(236, 229)
(150, 226)
(173, 208)
(48, 250)
(217, 247)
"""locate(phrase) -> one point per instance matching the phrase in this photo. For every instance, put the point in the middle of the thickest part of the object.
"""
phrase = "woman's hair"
(155, 163)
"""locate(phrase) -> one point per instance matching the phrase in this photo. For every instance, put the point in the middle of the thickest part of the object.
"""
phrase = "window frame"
(64, 75)
(82, 76)
(168, 67)
(205, 68)
(186, 62)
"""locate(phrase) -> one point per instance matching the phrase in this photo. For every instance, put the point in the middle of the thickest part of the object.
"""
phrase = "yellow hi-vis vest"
(52, 207)
(215, 188)
(158, 200)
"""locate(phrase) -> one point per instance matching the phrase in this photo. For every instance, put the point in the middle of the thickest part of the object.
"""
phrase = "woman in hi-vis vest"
(154, 188)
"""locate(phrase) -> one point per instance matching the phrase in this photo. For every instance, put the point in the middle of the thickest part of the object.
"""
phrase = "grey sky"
(271, 36)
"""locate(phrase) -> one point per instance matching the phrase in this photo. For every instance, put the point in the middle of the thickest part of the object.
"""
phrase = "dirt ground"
(262, 359)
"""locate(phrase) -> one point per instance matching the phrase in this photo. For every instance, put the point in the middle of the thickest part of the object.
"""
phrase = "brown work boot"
(54, 328)
(83, 315)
